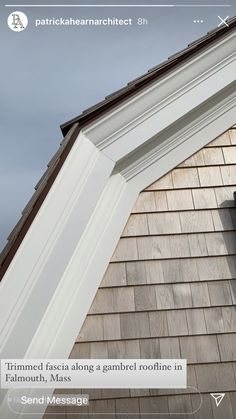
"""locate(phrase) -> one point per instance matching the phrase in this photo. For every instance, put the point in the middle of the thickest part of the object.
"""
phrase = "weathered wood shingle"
(169, 291)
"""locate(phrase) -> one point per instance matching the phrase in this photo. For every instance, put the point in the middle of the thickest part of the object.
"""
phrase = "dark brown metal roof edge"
(11, 248)
(141, 82)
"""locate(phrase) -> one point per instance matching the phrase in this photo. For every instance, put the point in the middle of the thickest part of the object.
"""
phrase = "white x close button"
(223, 21)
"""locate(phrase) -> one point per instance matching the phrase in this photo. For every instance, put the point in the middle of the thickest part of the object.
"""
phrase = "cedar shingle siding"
(169, 290)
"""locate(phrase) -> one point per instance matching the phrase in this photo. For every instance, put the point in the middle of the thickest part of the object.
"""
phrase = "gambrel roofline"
(49, 286)
(162, 69)
(89, 115)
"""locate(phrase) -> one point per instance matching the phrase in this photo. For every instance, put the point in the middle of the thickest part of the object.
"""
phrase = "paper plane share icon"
(218, 397)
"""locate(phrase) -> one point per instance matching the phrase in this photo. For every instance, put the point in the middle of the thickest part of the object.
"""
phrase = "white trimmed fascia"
(31, 279)
(129, 126)
(53, 278)
(176, 143)
(93, 253)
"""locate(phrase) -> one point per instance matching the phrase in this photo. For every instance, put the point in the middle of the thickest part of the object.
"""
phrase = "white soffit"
(53, 278)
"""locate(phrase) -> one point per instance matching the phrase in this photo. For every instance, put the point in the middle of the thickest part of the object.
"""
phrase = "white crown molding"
(170, 139)
(129, 126)
(42, 258)
(66, 251)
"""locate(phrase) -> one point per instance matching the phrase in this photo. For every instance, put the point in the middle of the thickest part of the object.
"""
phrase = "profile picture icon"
(17, 21)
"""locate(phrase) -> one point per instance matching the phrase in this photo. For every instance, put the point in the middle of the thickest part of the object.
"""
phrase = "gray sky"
(50, 74)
